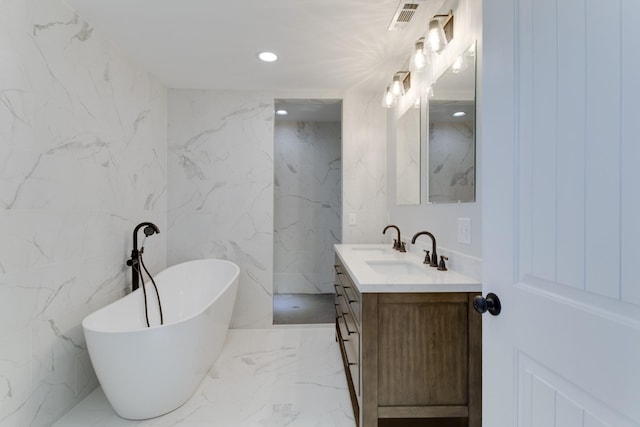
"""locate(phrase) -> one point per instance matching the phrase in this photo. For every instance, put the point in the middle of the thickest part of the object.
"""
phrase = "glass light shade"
(388, 99)
(419, 59)
(397, 89)
(436, 40)
(429, 91)
(459, 65)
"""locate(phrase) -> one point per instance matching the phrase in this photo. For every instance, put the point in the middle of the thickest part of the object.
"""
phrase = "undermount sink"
(368, 249)
(395, 267)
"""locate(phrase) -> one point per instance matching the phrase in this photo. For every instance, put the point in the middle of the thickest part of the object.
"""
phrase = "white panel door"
(560, 125)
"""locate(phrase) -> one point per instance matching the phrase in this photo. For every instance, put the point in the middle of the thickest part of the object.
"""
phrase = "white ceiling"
(213, 44)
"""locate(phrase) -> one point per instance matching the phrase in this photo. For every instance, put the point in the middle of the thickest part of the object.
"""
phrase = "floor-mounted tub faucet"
(434, 255)
(397, 243)
(134, 262)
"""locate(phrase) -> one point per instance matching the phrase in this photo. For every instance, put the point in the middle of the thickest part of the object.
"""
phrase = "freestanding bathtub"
(147, 372)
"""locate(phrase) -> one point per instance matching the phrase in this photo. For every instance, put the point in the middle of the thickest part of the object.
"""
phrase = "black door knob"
(491, 304)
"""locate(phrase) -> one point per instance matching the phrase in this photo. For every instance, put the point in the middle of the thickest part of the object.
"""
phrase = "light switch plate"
(352, 219)
(464, 230)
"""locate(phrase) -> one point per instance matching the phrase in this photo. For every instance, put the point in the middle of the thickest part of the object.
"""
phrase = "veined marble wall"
(220, 196)
(221, 174)
(451, 161)
(83, 159)
(308, 208)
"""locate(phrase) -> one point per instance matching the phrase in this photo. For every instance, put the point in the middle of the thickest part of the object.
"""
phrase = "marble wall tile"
(221, 184)
(220, 195)
(451, 161)
(308, 205)
(82, 160)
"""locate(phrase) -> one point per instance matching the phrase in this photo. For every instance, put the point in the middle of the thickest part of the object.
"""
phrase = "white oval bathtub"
(147, 372)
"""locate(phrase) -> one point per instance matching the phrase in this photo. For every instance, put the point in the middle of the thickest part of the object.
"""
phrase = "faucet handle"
(442, 266)
(427, 257)
(402, 247)
(395, 244)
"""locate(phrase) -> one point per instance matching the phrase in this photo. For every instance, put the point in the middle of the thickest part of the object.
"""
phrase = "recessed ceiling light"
(459, 114)
(268, 56)
(282, 112)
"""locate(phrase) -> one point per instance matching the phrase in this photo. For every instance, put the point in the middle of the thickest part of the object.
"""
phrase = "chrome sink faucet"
(398, 245)
(434, 256)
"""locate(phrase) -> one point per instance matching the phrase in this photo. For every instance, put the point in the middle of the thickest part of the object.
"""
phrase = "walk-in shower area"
(307, 208)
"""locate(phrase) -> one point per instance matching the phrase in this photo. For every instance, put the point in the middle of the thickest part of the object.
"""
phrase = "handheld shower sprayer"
(150, 230)
(136, 261)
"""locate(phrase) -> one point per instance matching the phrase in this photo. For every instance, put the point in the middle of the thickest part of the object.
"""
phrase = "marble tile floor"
(287, 376)
(301, 309)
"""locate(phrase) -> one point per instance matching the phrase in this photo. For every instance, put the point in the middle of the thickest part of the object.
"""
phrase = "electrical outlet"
(352, 219)
(464, 230)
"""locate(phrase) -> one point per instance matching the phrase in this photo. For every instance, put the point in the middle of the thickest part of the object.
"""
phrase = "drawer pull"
(351, 363)
(337, 271)
(346, 325)
(336, 288)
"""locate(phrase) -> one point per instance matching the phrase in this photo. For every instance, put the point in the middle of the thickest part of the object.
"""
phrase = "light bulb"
(419, 58)
(436, 40)
(396, 86)
(268, 56)
(388, 98)
(458, 65)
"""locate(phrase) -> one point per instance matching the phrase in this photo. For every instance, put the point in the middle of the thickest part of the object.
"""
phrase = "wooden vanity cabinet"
(348, 326)
(410, 355)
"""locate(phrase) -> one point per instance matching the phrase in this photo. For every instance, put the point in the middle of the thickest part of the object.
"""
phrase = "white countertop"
(360, 261)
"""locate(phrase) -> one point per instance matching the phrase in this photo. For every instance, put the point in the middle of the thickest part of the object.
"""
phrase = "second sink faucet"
(434, 256)
(398, 245)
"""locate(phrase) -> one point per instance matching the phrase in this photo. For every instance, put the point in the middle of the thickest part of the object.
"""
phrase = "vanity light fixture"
(419, 58)
(416, 104)
(397, 88)
(388, 99)
(268, 56)
(460, 64)
(401, 83)
(440, 33)
(429, 91)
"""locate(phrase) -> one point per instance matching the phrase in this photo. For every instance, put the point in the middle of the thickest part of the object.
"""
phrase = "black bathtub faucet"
(134, 262)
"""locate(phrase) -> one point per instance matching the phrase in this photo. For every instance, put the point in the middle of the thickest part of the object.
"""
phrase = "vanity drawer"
(348, 285)
(345, 287)
(351, 345)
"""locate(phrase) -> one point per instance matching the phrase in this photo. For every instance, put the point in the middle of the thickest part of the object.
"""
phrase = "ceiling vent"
(404, 14)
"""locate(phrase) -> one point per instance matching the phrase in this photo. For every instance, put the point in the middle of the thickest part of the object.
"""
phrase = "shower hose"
(144, 289)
